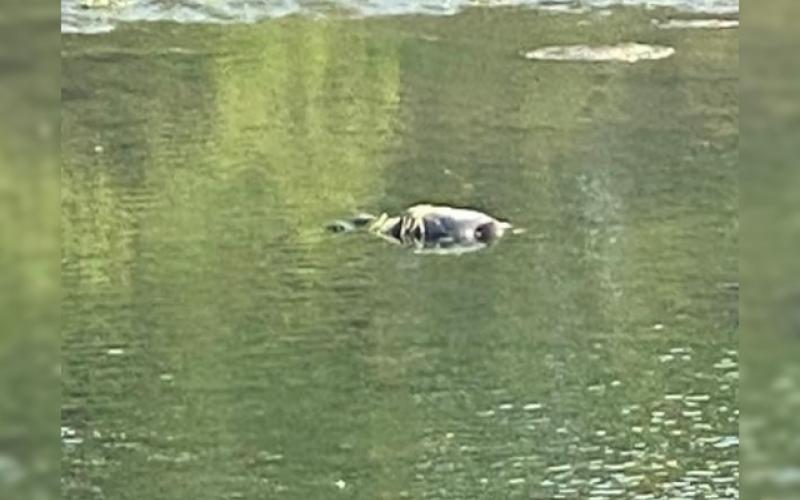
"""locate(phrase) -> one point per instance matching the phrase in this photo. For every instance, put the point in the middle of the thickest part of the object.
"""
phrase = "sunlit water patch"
(679, 445)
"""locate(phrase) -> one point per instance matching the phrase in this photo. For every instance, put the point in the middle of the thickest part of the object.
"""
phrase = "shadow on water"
(219, 344)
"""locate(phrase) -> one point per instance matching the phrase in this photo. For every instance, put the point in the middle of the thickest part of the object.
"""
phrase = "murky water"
(218, 343)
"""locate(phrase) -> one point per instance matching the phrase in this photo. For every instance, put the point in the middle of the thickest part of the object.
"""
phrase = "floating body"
(432, 228)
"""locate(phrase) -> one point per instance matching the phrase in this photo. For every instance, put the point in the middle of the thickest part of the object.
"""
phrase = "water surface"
(98, 16)
(218, 343)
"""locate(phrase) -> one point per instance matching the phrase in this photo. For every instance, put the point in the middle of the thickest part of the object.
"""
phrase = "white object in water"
(623, 52)
(718, 24)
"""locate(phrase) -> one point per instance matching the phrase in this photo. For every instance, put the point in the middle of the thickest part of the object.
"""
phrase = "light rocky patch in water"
(625, 52)
(697, 24)
(97, 16)
(101, 4)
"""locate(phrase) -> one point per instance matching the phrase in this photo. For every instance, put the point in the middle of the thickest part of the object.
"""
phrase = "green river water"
(219, 344)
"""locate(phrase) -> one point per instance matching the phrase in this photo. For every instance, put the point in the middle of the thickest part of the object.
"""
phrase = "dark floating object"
(431, 228)
(347, 225)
